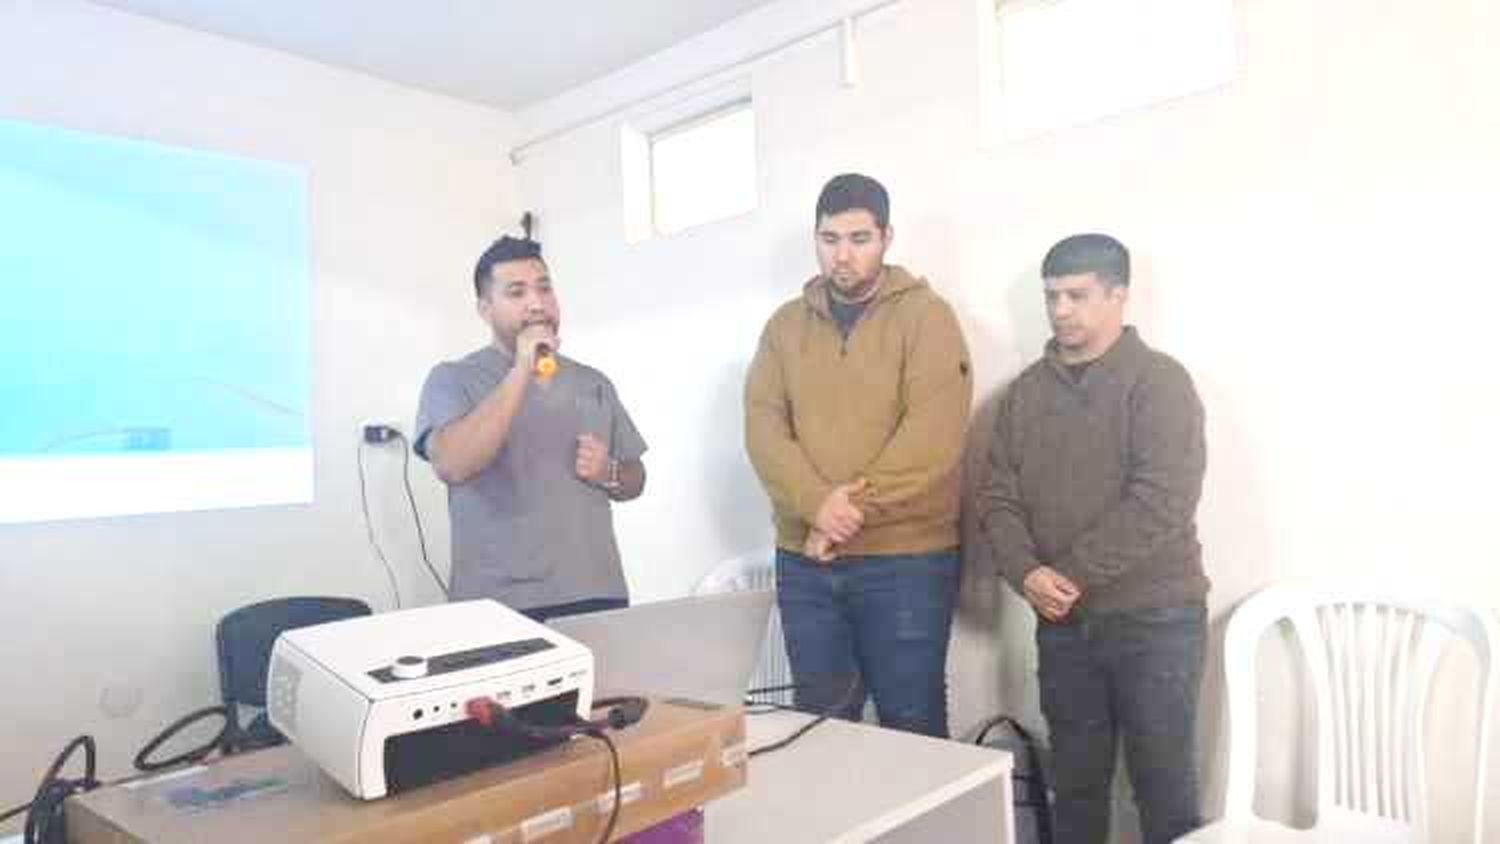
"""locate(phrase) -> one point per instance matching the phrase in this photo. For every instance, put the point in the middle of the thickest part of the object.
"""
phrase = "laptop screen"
(703, 647)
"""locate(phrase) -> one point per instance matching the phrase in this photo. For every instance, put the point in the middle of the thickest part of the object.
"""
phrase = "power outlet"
(378, 431)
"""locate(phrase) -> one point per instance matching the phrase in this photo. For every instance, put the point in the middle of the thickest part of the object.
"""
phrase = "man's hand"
(838, 517)
(533, 335)
(818, 547)
(592, 461)
(1050, 594)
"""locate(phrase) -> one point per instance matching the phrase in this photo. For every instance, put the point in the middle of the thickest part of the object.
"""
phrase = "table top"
(844, 781)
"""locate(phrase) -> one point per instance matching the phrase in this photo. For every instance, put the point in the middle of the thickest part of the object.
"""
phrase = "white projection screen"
(154, 339)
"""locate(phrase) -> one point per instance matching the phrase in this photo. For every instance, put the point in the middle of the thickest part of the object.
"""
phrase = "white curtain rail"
(844, 22)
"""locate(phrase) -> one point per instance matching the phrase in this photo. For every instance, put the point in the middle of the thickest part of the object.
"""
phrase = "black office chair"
(244, 639)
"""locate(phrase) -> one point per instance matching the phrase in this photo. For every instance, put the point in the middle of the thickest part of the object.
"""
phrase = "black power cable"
(45, 823)
(145, 764)
(44, 814)
(614, 762)
(416, 516)
(1035, 779)
(848, 697)
(364, 506)
(767, 690)
(623, 711)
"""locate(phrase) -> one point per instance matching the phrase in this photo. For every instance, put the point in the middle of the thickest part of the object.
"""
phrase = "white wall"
(1312, 242)
(406, 189)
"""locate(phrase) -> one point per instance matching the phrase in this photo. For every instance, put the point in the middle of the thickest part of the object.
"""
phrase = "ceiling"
(504, 53)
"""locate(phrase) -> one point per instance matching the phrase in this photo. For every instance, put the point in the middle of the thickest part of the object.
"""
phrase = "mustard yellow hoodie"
(888, 404)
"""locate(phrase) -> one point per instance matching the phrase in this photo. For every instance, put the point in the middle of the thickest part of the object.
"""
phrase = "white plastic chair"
(750, 571)
(1371, 654)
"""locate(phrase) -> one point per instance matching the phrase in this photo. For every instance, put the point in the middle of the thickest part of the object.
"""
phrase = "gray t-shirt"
(526, 531)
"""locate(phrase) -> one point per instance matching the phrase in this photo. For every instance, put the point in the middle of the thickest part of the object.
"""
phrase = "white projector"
(379, 701)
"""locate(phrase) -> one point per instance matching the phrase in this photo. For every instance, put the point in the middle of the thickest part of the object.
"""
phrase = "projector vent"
(281, 694)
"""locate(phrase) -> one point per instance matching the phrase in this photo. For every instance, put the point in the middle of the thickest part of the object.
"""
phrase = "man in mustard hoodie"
(855, 407)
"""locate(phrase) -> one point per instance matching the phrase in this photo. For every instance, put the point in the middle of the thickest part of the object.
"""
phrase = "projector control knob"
(409, 667)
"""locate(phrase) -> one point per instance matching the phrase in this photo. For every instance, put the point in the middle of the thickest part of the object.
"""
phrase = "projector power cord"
(803, 730)
(623, 711)
(45, 823)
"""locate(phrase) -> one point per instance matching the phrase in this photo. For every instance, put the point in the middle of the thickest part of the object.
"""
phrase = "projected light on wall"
(154, 328)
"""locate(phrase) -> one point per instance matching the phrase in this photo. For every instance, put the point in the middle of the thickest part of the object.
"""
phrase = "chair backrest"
(245, 636)
(1371, 654)
(753, 571)
(747, 572)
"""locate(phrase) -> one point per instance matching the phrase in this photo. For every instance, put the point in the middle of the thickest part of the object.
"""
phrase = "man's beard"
(859, 293)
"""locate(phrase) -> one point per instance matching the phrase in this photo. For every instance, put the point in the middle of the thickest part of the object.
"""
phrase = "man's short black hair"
(505, 249)
(1089, 253)
(854, 192)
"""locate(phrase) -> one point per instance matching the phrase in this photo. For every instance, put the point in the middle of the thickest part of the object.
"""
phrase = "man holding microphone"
(534, 448)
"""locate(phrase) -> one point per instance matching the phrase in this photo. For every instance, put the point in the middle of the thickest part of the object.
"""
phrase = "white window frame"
(637, 138)
(1018, 104)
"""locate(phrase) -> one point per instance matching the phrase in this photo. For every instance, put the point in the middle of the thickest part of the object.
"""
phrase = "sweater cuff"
(1068, 567)
(810, 500)
(1015, 574)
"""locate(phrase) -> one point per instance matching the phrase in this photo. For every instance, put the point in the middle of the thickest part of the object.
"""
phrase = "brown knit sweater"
(1099, 478)
(888, 404)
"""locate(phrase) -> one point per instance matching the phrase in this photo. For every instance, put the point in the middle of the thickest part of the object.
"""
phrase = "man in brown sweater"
(1096, 467)
(855, 408)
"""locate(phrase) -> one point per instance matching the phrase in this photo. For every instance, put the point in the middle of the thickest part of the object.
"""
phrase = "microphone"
(546, 364)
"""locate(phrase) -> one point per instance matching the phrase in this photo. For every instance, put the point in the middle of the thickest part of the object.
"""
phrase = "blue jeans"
(874, 625)
(1130, 675)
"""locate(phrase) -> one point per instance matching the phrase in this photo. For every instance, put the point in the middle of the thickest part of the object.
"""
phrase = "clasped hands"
(1050, 593)
(837, 522)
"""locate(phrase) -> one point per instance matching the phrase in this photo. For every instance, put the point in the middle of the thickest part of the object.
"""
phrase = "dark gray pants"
(1132, 676)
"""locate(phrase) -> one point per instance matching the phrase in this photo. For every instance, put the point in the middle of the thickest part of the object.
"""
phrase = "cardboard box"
(681, 755)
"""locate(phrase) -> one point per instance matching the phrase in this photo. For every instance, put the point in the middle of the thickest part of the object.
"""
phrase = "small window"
(690, 173)
(1066, 63)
